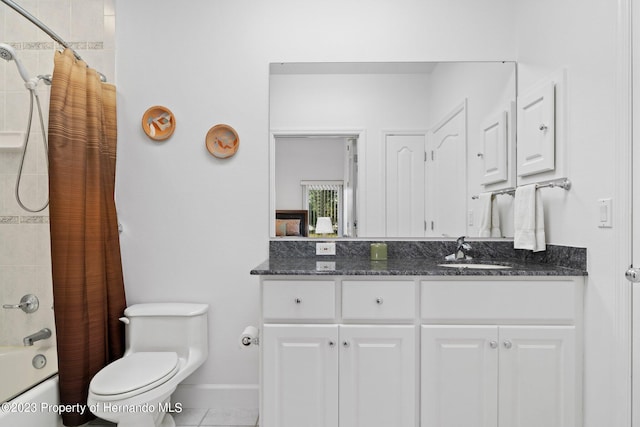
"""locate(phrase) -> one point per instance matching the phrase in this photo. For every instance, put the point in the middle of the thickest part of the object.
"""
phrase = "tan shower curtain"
(88, 287)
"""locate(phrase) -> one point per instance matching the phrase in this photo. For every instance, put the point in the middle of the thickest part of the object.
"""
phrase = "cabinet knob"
(543, 127)
(298, 300)
(507, 344)
(345, 344)
(332, 344)
(379, 300)
(493, 344)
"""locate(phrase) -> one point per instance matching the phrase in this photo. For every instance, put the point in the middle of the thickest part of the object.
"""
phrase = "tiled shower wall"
(25, 261)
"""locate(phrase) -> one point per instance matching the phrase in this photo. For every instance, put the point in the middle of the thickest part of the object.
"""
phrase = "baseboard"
(217, 396)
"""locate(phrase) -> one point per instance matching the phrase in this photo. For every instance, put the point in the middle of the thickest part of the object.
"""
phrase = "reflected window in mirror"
(323, 200)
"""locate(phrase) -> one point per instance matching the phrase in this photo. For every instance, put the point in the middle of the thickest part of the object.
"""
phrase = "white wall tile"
(87, 20)
(18, 245)
(3, 109)
(17, 109)
(109, 31)
(17, 28)
(55, 14)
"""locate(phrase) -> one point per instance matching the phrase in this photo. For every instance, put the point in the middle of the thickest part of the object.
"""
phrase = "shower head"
(7, 53)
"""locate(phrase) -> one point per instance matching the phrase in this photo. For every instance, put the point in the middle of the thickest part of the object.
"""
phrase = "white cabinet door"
(378, 385)
(459, 376)
(538, 384)
(494, 149)
(489, 376)
(405, 156)
(300, 376)
(536, 130)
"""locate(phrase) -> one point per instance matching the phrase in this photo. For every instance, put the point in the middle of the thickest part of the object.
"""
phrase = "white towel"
(489, 216)
(528, 221)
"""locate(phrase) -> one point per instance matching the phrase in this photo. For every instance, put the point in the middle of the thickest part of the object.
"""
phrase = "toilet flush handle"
(124, 320)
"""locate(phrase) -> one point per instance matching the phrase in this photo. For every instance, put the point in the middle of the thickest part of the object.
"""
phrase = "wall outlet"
(325, 248)
(325, 265)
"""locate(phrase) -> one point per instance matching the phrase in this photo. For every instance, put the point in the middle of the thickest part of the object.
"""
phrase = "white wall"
(194, 225)
(580, 37)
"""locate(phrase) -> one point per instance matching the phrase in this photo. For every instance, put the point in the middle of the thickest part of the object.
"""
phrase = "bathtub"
(43, 398)
(29, 395)
(17, 372)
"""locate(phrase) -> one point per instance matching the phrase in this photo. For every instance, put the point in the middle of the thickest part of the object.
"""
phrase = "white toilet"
(165, 342)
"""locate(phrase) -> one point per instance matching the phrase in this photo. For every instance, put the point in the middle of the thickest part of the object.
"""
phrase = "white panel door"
(447, 175)
(378, 376)
(404, 188)
(459, 376)
(538, 384)
(536, 130)
(300, 376)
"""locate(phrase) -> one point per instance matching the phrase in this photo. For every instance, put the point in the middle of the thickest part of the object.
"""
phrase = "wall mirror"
(389, 150)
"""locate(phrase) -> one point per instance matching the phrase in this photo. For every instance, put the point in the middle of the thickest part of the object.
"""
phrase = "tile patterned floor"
(204, 417)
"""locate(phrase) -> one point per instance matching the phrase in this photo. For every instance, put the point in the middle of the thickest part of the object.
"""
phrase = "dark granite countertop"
(420, 258)
(332, 266)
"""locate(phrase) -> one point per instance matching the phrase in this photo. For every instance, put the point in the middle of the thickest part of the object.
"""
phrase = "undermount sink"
(472, 265)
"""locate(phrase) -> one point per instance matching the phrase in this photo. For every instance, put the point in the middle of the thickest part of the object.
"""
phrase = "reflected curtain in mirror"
(87, 273)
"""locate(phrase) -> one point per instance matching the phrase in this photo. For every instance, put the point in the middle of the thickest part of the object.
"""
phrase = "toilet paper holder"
(250, 336)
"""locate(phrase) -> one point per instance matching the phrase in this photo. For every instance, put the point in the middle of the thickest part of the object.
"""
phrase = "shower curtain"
(88, 287)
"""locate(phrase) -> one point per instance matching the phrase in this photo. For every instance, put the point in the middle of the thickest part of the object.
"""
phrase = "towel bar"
(563, 183)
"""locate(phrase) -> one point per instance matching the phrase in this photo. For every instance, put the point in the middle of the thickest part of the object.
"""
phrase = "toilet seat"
(134, 374)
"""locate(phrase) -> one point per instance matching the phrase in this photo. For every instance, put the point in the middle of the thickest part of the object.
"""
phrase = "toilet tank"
(178, 327)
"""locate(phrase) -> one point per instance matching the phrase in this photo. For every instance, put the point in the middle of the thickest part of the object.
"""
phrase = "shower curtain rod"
(13, 5)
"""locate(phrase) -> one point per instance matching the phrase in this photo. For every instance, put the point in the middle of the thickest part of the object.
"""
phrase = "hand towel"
(489, 216)
(528, 219)
(495, 218)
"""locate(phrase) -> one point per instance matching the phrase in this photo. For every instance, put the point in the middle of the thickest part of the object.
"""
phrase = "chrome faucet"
(42, 334)
(461, 248)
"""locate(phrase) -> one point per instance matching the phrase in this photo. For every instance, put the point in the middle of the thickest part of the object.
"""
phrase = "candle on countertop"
(378, 251)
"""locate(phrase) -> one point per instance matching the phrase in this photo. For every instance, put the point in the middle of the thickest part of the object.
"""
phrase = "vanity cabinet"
(357, 369)
(421, 351)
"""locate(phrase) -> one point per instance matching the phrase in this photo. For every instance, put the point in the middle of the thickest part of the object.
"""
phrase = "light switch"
(604, 213)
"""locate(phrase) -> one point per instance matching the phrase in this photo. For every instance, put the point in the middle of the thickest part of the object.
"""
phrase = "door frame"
(627, 195)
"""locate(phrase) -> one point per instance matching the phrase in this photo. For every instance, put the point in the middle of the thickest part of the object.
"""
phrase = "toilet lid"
(137, 371)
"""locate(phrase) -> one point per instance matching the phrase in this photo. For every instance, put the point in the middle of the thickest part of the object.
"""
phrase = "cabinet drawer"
(290, 299)
(482, 301)
(391, 300)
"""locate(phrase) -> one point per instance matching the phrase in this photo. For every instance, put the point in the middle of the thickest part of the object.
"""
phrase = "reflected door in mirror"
(405, 192)
(448, 175)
